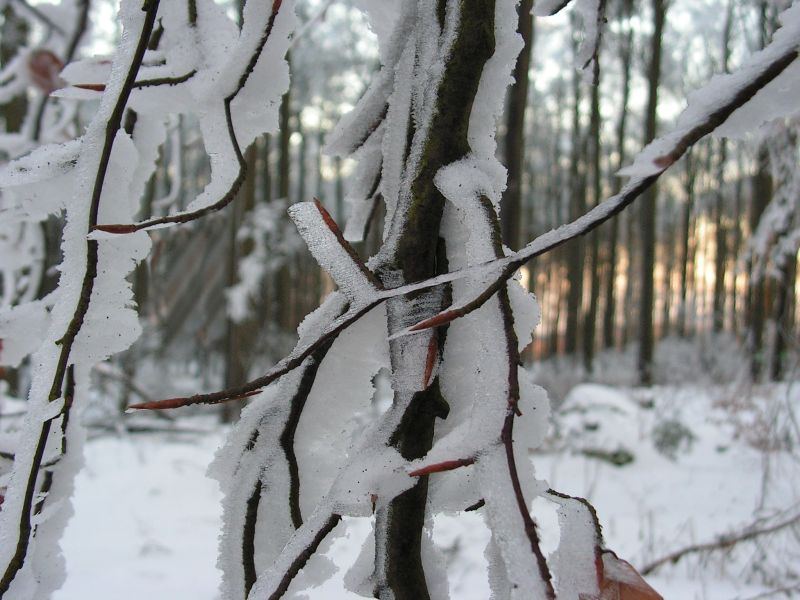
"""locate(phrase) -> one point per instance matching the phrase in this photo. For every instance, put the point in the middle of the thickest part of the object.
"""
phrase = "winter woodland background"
(673, 400)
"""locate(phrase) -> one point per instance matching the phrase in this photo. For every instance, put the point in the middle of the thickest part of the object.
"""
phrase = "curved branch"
(301, 351)
(170, 80)
(227, 197)
(506, 267)
(723, 542)
(24, 529)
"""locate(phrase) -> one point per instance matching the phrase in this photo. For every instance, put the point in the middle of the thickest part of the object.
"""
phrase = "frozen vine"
(90, 316)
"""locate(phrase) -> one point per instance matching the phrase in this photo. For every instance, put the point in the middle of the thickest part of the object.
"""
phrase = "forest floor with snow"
(665, 467)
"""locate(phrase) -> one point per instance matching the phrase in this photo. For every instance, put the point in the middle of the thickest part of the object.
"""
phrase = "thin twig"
(66, 342)
(230, 194)
(722, 542)
(604, 211)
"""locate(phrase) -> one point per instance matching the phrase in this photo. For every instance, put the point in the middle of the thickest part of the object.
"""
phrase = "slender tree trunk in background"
(302, 173)
(626, 51)
(631, 241)
(736, 246)
(720, 256)
(418, 254)
(240, 336)
(782, 313)
(13, 35)
(555, 197)
(283, 276)
(648, 204)
(511, 205)
(668, 262)
(720, 242)
(556, 319)
(762, 194)
(284, 151)
(756, 294)
(266, 170)
(686, 225)
(574, 249)
(590, 321)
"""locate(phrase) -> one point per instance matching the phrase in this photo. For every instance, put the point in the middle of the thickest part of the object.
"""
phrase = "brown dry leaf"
(44, 68)
(620, 581)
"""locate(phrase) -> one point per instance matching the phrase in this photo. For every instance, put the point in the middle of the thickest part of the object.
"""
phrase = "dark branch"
(601, 213)
(229, 195)
(66, 342)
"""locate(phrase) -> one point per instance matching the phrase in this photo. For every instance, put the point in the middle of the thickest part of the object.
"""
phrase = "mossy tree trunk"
(417, 255)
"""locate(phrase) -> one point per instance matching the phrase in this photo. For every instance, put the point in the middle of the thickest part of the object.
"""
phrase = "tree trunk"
(240, 335)
(648, 204)
(510, 208)
(590, 321)
(417, 255)
(756, 294)
(720, 257)
(686, 225)
(782, 317)
(609, 320)
(574, 249)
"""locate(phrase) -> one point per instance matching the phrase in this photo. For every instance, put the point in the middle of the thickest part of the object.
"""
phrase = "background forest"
(668, 338)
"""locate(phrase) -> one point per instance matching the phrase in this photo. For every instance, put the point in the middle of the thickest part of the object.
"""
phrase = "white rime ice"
(198, 69)
(578, 545)
(42, 571)
(314, 446)
(330, 253)
(777, 99)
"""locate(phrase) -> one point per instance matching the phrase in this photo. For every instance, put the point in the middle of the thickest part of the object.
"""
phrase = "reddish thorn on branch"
(276, 5)
(443, 318)
(447, 465)
(115, 228)
(330, 223)
(513, 404)
(95, 87)
(179, 402)
(430, 361)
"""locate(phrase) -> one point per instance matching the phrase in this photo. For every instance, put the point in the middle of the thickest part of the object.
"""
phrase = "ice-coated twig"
(332, 252)
(295, 556)
(680, 140)
(238, 180)
(24, 528)
(262, 455)
(302, 350)
(500, 270)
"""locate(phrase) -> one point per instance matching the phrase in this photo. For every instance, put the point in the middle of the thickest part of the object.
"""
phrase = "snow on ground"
(146, 517)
